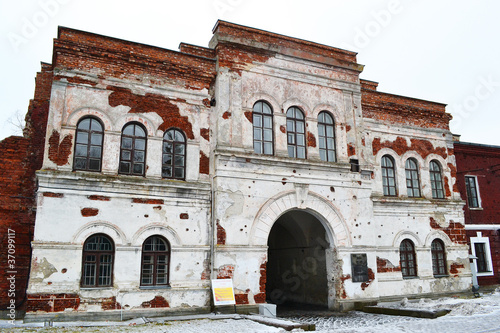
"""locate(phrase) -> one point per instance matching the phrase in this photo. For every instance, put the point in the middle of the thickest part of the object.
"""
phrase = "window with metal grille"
(296, 132)
(263, 138)
(436, 180)
(97, 263)
(88, 145)
(408, 259)
(412, 179)
(326, 134)
(472, 192)
(133, 150)
(438, 258)
(388, 176)
(174, 155)
(155, 262)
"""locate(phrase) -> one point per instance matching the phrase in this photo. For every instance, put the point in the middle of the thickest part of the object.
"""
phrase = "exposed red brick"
(184, 216)
(75, 79)
(148, 201)
(453, 172)
(221, 234)
(423, 147)
(371, 277)
(99, 197)
(110, 304)
(205, 133)
(384, 266)
(311, 140)
(260, 298)
(283, 129)
(347, 128)
(341, 287)
(226, 115)
(87, 212)
(52, 302)
(204, 163)
(454, 268)
(241, 298)
(351, 150)
(59, 151)
(456, 231)
(206, 102)
(249, 116)
(163, 106)
(225, 272)
(238, 57)
(157, 302)
(446, 187)
(53, 195)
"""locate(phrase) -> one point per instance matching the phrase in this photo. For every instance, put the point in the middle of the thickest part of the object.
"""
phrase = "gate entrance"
(296, 267)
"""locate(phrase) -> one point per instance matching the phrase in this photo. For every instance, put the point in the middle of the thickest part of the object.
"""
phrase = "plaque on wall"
(359, 266)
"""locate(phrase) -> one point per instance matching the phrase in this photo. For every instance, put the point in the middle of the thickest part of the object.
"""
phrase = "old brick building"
(478, 179)
(262, 158)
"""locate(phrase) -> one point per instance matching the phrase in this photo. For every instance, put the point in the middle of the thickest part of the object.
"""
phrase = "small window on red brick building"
(472, 192)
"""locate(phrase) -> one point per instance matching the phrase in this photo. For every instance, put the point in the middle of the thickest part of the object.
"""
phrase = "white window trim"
(489, 262)
(479, 205)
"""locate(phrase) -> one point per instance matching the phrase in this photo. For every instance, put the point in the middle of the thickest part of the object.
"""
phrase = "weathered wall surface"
(22, 156)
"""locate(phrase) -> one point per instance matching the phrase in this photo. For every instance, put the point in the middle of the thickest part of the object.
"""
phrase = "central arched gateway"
(297, 260)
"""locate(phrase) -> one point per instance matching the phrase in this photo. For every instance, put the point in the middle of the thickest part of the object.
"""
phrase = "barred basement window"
(296, 132)
(155, 262)
(263, 140)
(412, 180)
(326, 134)
(408, 259)
(472, 191)
(388, 176)
(88, 145)
(97, 263)
(133, 150)
(438, 258)
(436, 180)
(174, 155)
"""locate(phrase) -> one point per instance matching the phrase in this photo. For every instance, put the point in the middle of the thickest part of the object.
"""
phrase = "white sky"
(446, 51)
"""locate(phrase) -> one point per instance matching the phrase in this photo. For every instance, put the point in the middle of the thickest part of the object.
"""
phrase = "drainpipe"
(475, 284)
(212, 227)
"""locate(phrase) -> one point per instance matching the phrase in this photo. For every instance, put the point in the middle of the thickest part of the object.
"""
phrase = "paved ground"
(474, 315)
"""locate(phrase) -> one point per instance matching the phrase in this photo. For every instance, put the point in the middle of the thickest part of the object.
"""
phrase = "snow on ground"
(468, 315)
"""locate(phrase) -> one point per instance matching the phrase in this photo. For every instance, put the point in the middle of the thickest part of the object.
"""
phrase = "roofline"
(472, 144)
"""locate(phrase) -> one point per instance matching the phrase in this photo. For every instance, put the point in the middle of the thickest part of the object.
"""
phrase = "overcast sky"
(444, 51)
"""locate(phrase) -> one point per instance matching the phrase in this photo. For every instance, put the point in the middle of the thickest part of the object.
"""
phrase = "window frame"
(292, 133)
(88, 144)
(407, 263)
(325, 137)
(472, 195)
(386, 188)
(437, 184)
(133, 150)
(438, 256)
(175, 143)
(258, 111)
(155, 254)
(97, 263)
(412, 178)
(479, 239)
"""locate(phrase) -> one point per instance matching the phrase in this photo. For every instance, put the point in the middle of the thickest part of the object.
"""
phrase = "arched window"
(388, 176)
(133, 150)
(296, 132)
(408, 259)
(174, 155)
(326, 134)
(97, 262)
(436, 180)
(263, 140)
(438, 258)
(155, 262)
(88, 145)
(412, 179)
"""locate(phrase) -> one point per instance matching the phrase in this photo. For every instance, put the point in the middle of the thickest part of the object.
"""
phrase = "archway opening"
(296, 266)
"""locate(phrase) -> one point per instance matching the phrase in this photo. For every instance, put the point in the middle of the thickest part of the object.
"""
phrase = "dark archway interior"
(296, 266)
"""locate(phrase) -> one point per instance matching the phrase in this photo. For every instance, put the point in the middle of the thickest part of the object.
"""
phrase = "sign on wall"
(223, 292)
(359, 266)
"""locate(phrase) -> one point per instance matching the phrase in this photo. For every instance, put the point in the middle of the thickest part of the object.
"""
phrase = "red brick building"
(478, 179)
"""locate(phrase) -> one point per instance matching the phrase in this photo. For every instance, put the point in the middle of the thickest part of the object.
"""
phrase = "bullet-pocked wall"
(262, 158)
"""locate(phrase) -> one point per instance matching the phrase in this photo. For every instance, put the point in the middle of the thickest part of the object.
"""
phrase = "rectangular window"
(472, 192)
(480, 248)
(482, 263)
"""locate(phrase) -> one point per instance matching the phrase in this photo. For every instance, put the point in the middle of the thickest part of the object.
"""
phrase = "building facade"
(478, 179)
(262, 158)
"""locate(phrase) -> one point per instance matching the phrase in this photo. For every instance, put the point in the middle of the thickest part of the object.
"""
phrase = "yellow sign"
(223, 292)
